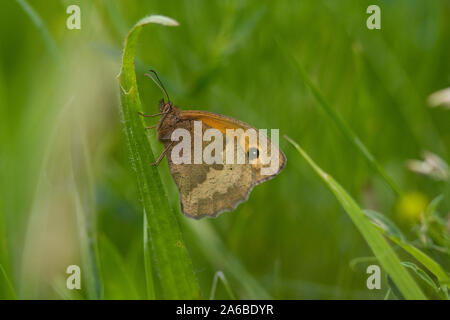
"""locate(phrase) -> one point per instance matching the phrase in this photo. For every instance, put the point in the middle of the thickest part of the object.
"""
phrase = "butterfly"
(208, 188)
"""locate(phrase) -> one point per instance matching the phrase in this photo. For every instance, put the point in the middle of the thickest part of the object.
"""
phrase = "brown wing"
(223, 123)
(207, 190)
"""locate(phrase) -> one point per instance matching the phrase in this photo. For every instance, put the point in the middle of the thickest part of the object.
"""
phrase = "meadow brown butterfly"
(208, 187)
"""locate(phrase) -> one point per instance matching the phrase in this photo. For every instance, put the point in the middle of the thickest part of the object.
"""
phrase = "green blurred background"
(64, 164)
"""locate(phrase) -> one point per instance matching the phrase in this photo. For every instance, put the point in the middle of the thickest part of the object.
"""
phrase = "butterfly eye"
(253, 153)
(167, 108)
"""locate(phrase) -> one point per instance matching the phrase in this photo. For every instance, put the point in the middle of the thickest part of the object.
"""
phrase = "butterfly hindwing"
(207, 190)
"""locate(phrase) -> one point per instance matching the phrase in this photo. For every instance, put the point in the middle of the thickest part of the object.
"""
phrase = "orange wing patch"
(214, 120)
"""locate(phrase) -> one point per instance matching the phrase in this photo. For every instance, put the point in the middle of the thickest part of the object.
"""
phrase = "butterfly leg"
(162, 154)
(151, 115)
(151, 127)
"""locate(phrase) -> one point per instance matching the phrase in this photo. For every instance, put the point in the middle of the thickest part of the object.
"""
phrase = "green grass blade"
(173, 268)
(150, 287)
(424, 259)
(394, 289)
(88, 247)
(37, 21)
(421, 274)
(117, 279)
(215, 250)
(389, 229)
(388, 293)
(340, 123)
(7, 291)
(384, 223)
(86, 223)
(220, 276)
(7, 286)
(380, 247)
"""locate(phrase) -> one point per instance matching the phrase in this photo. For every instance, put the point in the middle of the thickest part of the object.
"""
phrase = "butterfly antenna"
(158, 83)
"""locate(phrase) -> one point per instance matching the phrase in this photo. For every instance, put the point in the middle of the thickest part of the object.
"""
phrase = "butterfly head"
(165, 107)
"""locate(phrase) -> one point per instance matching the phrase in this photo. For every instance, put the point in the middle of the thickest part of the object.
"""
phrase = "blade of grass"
(215, 250)
(340, 123)
(117, 280)
(173, 268)
(8, 292)
(37, 21)
(86, 225)
(150, 287)
(421, 274)
(3, 256)
(386, 297)
(384, 223)
(86, 222)
(380, 247)
(88, 247)
(395, 290)
(424, 259)
(220, 276)
(389, 229)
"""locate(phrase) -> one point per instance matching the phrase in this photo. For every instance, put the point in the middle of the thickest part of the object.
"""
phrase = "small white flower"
(432, 166)
(441, 97)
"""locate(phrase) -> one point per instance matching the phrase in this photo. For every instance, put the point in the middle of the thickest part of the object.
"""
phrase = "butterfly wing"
(207, 190)
(264, 145)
